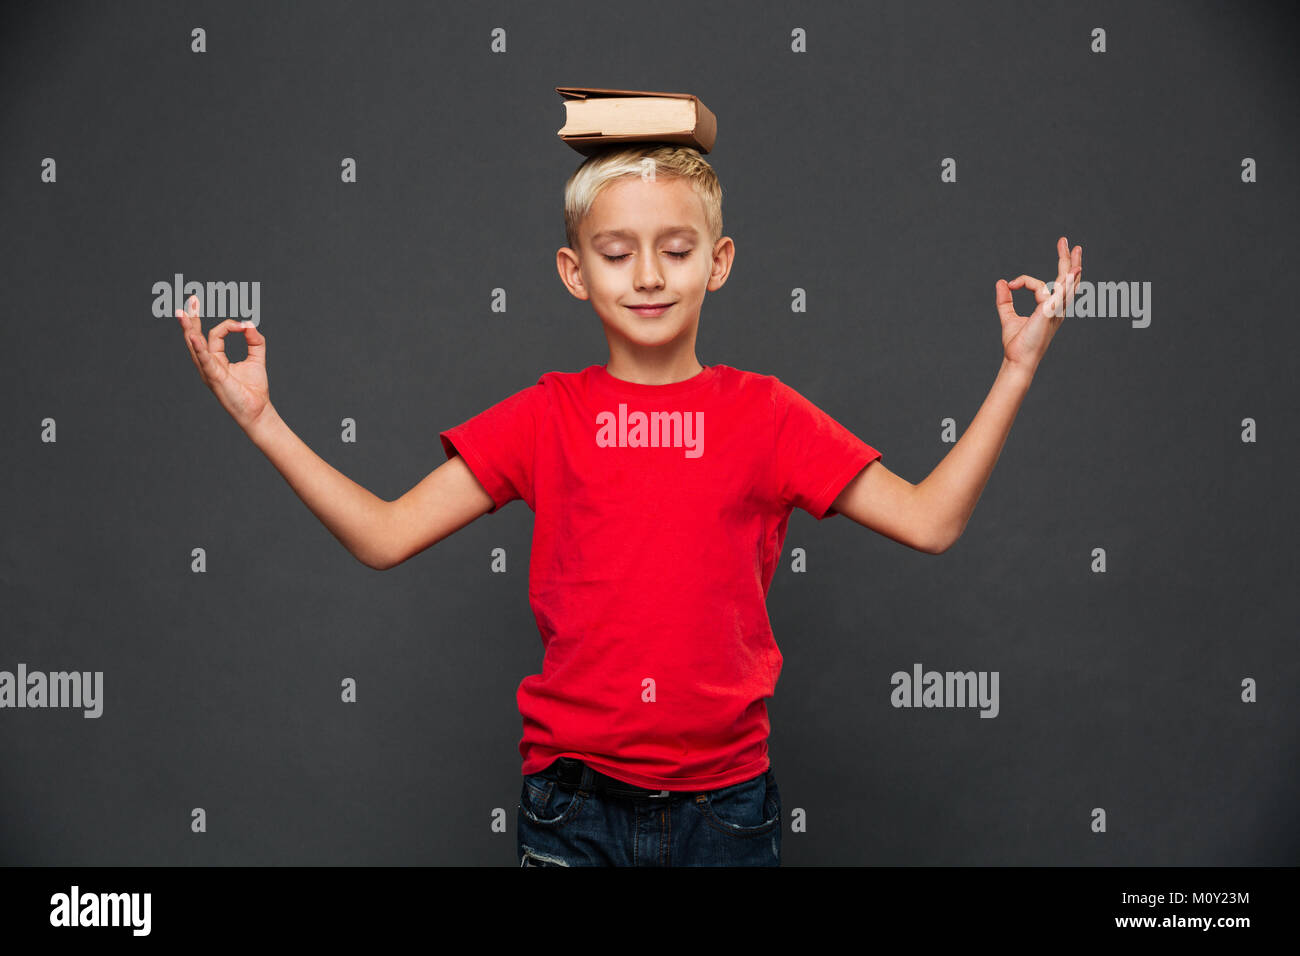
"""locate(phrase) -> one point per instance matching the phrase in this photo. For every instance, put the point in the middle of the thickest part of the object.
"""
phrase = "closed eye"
(679, 255)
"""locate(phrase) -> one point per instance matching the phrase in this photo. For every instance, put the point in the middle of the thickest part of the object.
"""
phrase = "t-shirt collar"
(601, 377)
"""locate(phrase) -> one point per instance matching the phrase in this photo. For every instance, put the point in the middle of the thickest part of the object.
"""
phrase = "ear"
(568, 264)
(724, 254)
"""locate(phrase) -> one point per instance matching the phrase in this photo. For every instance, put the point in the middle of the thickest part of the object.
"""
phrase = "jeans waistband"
(573, 774)
(570, 773)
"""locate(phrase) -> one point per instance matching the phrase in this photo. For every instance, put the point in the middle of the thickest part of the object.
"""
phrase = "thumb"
(256, 343)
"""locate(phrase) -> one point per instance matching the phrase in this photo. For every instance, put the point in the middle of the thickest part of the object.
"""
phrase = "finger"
(194, 314)
(1040, 319)
(1048, 301)
(256, 343)
(1003, 301)
(1041, 292)
(1026, 282)
(185, 333)
(217, 341)
(1062, 263)
(1055, 305)
(207, 366)
(187, 321)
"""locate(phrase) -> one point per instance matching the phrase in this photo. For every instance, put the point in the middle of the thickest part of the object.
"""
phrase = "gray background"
(1118, 690)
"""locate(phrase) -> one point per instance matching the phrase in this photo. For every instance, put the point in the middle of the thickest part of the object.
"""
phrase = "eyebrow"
(629, 234)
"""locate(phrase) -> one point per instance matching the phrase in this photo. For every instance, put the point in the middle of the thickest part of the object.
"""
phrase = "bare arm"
(887, 503)
(378, 533)
(931, 516)
(355, 516)
(448, 498)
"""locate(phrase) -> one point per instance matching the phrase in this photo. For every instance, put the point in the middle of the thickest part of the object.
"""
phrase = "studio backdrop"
(194, 671)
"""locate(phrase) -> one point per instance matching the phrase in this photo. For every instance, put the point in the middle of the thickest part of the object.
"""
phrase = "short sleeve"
(815, 456)
(498, 445)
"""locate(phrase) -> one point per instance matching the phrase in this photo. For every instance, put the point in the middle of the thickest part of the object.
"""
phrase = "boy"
(662, 489)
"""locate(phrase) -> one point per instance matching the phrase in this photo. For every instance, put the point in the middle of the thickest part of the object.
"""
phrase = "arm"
(931, 516)
(355, 516)
(448, 498)
(380, 534)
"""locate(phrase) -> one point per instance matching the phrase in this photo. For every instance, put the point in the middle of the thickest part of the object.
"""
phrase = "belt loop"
(588, 778)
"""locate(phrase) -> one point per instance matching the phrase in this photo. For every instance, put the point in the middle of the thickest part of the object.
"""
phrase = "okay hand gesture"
(241, 388)
(1025, 339)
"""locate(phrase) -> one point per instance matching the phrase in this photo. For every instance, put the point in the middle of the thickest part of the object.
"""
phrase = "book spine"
(706, 126)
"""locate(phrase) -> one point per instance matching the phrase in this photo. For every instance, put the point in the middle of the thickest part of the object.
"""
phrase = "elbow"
(384, 561)
(942, 540)
(378, 558)
(379, 549)
(374, 563)
(932, 547)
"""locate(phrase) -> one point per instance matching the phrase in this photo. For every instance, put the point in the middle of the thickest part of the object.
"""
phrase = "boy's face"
(646, 243)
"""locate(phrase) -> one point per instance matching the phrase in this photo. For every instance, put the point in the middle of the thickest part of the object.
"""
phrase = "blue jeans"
(739, 825)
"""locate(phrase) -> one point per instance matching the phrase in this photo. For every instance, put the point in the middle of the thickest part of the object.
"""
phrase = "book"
(598, 117)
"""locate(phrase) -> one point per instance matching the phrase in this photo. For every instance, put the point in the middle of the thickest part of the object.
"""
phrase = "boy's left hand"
(1024, 340)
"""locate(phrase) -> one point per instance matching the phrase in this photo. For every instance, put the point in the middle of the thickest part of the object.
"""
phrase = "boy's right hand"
(241, 388)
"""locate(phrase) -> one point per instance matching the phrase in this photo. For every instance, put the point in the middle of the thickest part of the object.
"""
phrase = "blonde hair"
(622, 161)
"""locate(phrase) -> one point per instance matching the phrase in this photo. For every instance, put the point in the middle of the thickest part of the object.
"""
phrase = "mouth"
(652, 309)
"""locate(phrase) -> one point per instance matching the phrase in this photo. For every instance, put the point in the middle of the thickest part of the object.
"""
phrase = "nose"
(648, 274)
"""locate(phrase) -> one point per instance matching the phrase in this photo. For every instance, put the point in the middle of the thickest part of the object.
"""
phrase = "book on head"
(599, 117)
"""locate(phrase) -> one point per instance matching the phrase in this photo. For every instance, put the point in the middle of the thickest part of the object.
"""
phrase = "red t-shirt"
(655, 539)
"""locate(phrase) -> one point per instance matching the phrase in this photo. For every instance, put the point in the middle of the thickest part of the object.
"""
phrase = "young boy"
(662, 489)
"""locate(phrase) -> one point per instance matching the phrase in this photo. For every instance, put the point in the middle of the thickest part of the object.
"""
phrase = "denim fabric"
(739, 825)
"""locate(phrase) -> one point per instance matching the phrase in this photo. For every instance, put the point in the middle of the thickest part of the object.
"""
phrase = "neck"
(653, 365)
